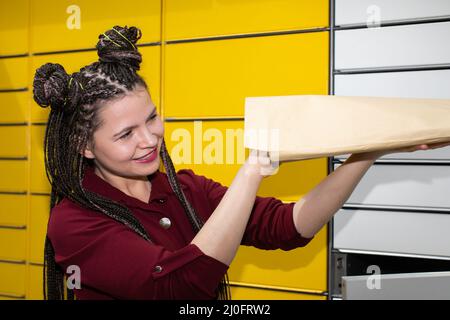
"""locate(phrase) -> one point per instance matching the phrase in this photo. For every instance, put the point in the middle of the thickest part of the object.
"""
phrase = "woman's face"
(130, 129)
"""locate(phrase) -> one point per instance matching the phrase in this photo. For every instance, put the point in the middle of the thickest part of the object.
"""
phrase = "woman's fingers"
(260, 161)
(422, 147)
(439, 145)
(428, 146)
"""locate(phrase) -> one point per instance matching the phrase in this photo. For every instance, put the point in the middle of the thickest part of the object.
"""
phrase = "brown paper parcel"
(312, 126)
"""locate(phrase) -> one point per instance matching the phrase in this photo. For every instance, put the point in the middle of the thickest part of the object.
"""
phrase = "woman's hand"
(259, 164)
(421, 147)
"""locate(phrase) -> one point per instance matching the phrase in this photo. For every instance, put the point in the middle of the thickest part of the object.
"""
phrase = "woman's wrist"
(252, 171)
(259, 165)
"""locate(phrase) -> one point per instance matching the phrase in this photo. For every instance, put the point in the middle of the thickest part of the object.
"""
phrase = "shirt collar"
(160, 188)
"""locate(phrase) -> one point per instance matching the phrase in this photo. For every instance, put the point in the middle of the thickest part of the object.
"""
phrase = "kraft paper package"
(312, 126)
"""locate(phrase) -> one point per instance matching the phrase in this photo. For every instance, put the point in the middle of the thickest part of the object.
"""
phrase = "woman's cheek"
(159, 128)
(125, 152)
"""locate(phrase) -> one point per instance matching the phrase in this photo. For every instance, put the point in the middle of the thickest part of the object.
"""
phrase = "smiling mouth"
(146, 156)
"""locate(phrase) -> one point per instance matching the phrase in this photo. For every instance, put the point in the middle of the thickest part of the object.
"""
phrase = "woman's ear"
(88, 151)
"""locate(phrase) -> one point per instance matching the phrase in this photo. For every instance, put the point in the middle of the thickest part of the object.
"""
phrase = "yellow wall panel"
(217, 151)
(294, 179)
(212, 78)
(203, 18)
(13, 73)
(13, 209)
(66, 25)
(14, 106)
(13, 244)
(39, 214)
(72, 62)
(246, 293)
(150, 71)
(14, 175)
(14, 141)
(12, 279)
(35, 283)
(222, 164)
(301, 268)
(14, 27)
(38, 178)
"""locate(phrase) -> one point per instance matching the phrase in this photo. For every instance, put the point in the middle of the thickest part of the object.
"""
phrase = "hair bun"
(50, 85)
(118, 45)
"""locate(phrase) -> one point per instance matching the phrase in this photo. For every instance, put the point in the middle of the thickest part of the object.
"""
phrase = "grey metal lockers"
(350, 12)
(410, 45)
(413, 84)
(415, 286)
(404, 186)
(390, 232)
(401, 207)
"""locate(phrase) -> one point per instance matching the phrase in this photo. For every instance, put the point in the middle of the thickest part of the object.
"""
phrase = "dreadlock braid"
(195, 221)
(75, 101)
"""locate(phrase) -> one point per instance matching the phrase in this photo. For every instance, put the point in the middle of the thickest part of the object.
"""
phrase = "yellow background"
(201, 58)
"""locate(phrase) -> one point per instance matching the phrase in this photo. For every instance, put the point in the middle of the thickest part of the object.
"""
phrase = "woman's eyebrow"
(135, 126)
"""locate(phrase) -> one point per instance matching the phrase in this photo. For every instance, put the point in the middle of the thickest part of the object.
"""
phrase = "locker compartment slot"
(354, 277)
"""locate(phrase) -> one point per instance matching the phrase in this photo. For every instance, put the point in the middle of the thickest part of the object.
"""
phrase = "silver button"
(157, 269)
(165, 223)
(161, 200)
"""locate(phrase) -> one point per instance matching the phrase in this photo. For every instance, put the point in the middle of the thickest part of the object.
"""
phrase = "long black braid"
(75, 100)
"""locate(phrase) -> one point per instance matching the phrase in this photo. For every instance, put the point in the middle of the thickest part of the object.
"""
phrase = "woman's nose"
(147, 139)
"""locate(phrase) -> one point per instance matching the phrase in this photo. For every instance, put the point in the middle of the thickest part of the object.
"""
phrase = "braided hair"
(75, 101)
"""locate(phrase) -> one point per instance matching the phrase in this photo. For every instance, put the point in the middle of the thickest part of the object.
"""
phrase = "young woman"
(132, 231)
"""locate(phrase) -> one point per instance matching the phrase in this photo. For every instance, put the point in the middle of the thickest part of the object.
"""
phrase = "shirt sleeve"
(117, 261)
(271, 224)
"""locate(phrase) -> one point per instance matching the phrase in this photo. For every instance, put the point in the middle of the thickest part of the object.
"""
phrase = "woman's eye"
(152, 118)
(125, 135)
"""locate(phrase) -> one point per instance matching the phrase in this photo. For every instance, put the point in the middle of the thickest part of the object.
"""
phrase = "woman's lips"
(149, 157)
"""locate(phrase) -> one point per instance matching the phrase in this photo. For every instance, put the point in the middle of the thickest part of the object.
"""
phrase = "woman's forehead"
(133, 105)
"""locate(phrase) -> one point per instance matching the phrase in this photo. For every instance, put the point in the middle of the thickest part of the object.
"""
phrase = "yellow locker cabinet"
(14, 175)
(250, 293)
(14, 16)
(13, 73)
(14, 141)
(68, 25)
(15, 107)
(212, 78)
(207, 18)
(12, 280)
(39, 214)
(13, 209)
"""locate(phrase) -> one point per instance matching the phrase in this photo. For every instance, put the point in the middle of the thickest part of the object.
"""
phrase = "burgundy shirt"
(117, 263)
